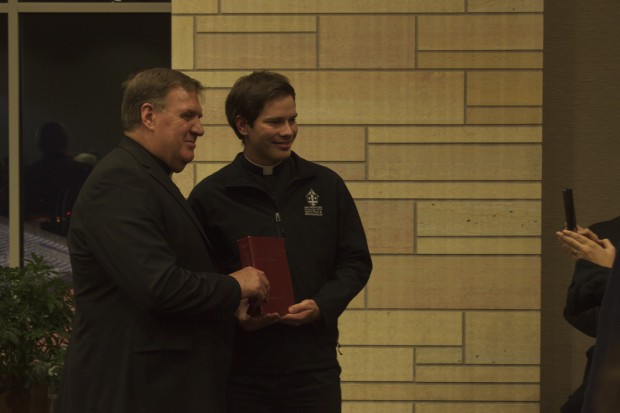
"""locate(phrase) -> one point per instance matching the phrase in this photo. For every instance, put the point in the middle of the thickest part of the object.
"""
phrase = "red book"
(268, 254)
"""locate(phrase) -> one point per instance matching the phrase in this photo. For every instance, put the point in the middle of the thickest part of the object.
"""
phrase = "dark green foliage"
(36, 309)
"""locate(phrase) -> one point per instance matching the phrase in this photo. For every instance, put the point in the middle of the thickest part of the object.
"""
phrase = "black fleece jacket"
(311, 208)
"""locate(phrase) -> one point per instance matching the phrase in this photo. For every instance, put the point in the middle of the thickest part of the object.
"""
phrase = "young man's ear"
(242, 125)
(147, 113)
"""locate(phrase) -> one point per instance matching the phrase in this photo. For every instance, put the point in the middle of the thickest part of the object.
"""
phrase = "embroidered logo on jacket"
(313, 200)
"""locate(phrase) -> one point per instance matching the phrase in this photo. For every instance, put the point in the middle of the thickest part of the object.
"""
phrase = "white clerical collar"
(267, 170)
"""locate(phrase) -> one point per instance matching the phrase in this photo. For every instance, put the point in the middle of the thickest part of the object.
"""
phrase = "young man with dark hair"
(284, 363)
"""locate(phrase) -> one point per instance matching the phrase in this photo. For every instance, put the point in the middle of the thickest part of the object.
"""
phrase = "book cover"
(268, 254)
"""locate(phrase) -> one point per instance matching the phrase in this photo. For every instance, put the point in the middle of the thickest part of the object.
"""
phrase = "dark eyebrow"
(191, 112)
(280, 118)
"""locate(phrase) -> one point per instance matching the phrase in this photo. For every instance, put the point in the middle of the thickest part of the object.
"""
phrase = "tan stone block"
(439, 355)
(342, 6)
(480, 60)
(376, 363)
(182, 42)
(377, 42)
(255, 24)
(346, 171)
(506, 116)
(502, 337)
(384, 97)
(440, 392)
(480, 32)
(504, 88)
(477, 407)
(515, 6)
(477, 374)
(381, 407)
(445, 190)
(255, 51)
(478, 218)
(194, 6)
(349, 171)
(454, 162)
(401, 327)
(385, 224)
(477, 246)
(213, 108)
(219, 143)
(331, 143)
(359, 302)
(455, 134)
(217, 79)
(204, 169)
(430, 282)
(185, 180)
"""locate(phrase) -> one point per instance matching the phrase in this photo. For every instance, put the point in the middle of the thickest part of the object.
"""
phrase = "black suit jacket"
(154, 318)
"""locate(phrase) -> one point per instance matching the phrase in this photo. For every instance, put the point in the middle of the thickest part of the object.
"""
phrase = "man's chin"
(284, 154)
(179, 166)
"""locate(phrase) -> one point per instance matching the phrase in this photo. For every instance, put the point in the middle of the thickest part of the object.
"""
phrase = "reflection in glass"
(4, 140)
(91, 1)
(52, 182)
(4, 117)
(72, 68)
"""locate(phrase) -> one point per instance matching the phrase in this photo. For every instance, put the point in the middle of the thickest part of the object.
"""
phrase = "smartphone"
(569, 209)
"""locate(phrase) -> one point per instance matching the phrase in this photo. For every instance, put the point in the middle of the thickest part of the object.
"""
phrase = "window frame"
(13, 9)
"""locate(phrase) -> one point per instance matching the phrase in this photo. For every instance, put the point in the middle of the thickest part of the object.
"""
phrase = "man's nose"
(287, 129)
(197, 128)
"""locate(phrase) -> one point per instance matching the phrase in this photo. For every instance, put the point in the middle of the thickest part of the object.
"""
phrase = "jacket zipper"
(279, 227)
(278, 219)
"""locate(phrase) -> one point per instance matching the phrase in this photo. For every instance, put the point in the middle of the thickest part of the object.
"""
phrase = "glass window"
(4, 141)
(90, 1)
(71, 73)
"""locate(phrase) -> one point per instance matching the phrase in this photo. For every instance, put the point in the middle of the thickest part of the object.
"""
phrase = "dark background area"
(4, 88)
(581, 144)
(72, 68)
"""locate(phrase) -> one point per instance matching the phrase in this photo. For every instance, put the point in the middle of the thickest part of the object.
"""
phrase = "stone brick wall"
(432, 112)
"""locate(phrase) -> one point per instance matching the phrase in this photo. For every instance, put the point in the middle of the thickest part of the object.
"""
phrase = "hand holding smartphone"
(569, 209)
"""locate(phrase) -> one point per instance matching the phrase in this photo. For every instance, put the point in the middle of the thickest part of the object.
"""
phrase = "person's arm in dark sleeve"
(130, 243)
(353, 262)
(584, 296)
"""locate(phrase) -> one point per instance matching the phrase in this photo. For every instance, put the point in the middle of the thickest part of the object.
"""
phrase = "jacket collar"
(300, 169)
(155, 169)
(143, 156)
(160, 173)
